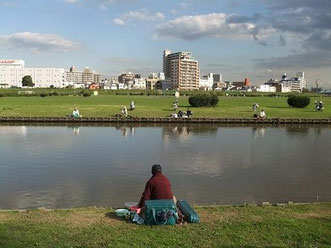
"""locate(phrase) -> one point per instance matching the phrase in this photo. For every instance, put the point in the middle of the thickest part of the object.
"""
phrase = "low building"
(4, 86)
(87, 76)
(94, 86)
(286, 84)
(218, 78)
(206, 82)
(139, 84)
(124, 77)
(266, 88)
(12, 72)
(220, 85)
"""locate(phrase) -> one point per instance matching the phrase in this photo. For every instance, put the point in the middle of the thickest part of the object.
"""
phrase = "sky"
(258, 39)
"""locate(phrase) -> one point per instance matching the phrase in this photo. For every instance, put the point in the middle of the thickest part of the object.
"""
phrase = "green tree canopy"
(27, 81)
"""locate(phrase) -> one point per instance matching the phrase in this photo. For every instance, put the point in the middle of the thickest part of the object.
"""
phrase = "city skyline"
(239, 39)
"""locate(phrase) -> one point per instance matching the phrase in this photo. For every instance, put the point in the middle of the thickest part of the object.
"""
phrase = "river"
(62, 166)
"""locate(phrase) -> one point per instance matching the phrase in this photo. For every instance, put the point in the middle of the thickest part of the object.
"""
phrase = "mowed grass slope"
(154, 106)
(221, 226)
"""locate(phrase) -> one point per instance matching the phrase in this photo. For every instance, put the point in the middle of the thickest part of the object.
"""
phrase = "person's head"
(75, 109)
(156, 168)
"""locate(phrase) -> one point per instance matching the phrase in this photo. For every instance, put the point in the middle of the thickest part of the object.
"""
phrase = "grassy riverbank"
(221, 226)
(154, 106)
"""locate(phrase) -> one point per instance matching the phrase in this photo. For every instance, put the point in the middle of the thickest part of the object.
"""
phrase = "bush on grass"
(298, 101)
(203, 100)
(86, 94)
(53, 93)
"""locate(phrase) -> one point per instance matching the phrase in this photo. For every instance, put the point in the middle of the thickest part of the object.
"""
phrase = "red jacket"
(157, 188)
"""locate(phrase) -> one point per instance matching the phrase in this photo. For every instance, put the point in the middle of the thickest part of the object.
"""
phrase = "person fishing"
(132, 105)
(158, 187)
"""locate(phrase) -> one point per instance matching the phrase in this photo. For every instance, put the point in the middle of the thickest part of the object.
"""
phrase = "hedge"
(203, 100)
(298, 101)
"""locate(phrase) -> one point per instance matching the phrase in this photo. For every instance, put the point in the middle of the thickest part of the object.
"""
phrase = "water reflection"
(14, 130)
(83, 165)
(258, 131)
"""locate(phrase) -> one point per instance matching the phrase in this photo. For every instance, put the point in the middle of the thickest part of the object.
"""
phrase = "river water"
(73, 166)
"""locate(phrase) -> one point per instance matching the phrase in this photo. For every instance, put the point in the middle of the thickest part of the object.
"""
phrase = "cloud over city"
(214, 25)
(138, 15)
(38, 43)
(309, 23)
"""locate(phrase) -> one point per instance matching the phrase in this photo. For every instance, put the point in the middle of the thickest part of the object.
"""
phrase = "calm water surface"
(71, 166)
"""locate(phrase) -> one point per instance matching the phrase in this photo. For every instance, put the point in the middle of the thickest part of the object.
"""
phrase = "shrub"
(298, 101)
(203, 100)
(86, 94)
(43, 94)
(53, 93)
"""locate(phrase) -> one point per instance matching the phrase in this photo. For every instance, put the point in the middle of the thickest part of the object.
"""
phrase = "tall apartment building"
(181, 69)
(82, 77)
(12, 71)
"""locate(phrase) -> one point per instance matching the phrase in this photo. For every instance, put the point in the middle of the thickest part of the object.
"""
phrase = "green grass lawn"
(154, 106)
(221, 226)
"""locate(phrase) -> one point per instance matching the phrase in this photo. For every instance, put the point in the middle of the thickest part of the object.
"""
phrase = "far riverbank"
(107, 106)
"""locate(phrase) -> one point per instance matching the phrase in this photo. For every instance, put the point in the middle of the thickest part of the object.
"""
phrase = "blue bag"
(160, 212)
(188, 211)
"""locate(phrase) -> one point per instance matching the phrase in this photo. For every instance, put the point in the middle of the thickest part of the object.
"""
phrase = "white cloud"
(39, 43)
(119, 21)
(210, 25)
(141, 15)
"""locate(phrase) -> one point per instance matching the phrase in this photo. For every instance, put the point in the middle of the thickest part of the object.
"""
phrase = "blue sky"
(238, 38)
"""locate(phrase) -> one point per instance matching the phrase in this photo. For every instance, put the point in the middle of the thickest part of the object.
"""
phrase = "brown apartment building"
(182, 69)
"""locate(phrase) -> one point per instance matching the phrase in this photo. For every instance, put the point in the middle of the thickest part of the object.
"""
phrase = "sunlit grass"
(154, 106)
(221, 226)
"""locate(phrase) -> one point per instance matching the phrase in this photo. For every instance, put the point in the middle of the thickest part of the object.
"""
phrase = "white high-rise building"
(12, 72)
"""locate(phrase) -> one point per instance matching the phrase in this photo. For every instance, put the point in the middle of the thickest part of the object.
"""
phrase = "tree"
(27, 81)
(298, 101)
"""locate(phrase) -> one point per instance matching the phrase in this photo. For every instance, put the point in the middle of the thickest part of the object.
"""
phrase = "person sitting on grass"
(189, 113)
(124, 111)
(262, 114)
(174, 115)
(75, 113)
(158, 187)
(255, 107)
(132, 105)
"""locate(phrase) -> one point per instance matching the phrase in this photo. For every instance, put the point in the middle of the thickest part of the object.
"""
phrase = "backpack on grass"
(188, 211)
